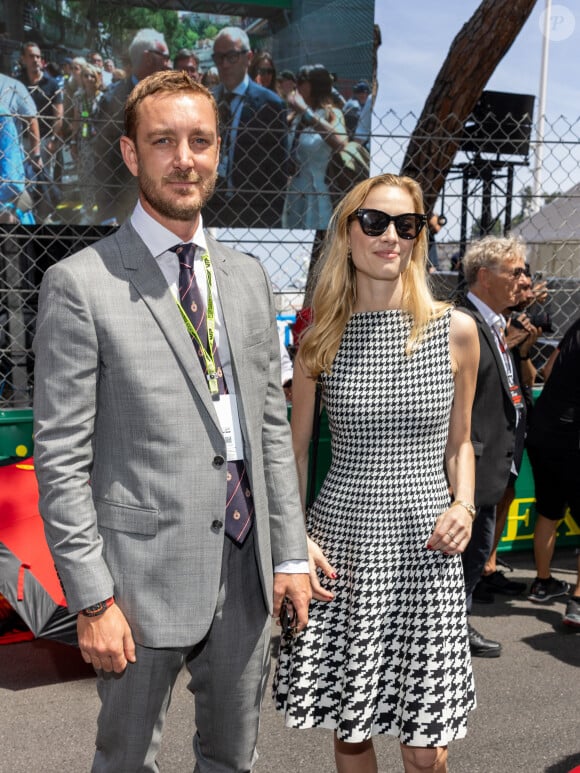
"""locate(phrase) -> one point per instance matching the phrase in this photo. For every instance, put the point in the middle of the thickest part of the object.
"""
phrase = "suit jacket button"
(218, 461)
(216, 525)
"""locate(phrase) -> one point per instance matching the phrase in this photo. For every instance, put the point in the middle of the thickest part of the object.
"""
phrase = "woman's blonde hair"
(90, 69)
(335, 294)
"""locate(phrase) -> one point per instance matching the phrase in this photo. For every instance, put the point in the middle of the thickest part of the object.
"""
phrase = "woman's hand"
(296, 102)
(317, 560)
(452, 531)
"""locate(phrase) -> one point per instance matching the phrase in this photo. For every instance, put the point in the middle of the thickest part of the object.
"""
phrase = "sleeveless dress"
(390, 654)
(308, 203)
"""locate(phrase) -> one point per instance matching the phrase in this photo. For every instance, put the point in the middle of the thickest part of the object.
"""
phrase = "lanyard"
(499, 336)
(515, 391)
(208, 353)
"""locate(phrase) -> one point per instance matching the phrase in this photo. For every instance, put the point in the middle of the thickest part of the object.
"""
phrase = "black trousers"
(478, 550)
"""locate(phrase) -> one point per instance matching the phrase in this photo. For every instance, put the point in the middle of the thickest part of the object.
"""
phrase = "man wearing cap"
(354, 105)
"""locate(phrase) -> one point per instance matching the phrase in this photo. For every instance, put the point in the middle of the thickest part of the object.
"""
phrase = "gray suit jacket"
(127, 442)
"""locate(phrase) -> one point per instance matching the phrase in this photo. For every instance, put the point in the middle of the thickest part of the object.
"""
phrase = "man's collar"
(157, 238)
(241, 88)
(490, 316)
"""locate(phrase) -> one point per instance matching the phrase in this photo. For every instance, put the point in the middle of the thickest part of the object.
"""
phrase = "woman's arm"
(327, 130)
(453, 528)
(303, 398)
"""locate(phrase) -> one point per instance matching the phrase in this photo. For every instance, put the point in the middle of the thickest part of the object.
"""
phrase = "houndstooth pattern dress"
(390, 653)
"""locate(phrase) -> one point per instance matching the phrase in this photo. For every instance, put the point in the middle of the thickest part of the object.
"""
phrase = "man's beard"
(172, 205)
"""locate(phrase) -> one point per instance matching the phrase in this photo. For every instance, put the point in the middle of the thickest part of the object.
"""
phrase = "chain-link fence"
(493, 185)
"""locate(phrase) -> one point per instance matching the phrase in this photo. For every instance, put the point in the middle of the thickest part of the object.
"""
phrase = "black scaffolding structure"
(495, 140)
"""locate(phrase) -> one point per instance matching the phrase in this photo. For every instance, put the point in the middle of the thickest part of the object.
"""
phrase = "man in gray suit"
(131, 449)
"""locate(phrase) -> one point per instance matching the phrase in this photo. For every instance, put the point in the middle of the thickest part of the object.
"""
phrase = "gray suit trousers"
(229, 670)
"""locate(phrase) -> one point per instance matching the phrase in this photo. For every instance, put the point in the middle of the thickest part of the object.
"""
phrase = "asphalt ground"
(527, 719)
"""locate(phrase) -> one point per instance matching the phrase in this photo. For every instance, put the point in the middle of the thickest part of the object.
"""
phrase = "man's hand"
(106, 641)
(540, 290)
(517, 333)
(297, 588)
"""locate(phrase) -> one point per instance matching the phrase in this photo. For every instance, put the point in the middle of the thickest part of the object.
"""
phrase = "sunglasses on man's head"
(373, 222)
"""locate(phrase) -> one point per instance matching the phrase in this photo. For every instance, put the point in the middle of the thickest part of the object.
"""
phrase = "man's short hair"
(28, 44)
(235, 33)
(491, 252)
(144, 40)
(286, 75)
(162, 82)
(185, 53)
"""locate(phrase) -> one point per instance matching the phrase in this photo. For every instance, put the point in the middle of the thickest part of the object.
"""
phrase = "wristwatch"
(97, 609)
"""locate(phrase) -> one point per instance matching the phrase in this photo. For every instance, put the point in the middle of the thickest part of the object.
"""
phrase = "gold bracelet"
(468, 506)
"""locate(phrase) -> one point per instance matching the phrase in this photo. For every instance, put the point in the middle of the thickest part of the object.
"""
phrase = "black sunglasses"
(265, 71)
(288, 618)
(374, 223)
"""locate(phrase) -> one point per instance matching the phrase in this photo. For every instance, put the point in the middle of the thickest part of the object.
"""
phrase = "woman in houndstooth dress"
(386, 648)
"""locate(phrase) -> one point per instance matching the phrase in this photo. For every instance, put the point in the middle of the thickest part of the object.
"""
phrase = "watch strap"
(95, 610)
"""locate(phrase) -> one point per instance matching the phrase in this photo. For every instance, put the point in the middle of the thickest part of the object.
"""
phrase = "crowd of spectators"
(266, 127)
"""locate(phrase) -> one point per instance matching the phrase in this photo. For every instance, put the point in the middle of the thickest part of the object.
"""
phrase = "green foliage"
(211, 31)
(120, 23)
(527, 203)
(526, 199)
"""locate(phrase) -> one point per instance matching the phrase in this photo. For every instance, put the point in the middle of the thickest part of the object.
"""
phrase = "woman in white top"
(316, 130)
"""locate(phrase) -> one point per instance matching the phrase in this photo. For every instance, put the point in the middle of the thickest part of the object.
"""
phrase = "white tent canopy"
(553, 235)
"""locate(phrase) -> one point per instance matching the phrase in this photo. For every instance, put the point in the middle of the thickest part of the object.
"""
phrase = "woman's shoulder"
(463, 329)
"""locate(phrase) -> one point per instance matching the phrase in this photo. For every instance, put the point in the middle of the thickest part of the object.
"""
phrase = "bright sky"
(416, 38)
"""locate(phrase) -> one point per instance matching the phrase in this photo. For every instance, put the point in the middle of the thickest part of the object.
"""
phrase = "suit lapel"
(147, 278)
(230, 303)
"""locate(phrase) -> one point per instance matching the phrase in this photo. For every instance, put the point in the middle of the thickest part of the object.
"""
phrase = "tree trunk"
(480, 45)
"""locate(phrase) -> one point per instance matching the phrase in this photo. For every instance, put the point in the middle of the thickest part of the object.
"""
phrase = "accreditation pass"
(227, 412)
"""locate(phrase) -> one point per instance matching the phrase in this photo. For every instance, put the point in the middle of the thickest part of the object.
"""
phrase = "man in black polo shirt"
(48, 98)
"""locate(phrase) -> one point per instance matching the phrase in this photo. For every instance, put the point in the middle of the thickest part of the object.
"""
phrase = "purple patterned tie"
(240, 503)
